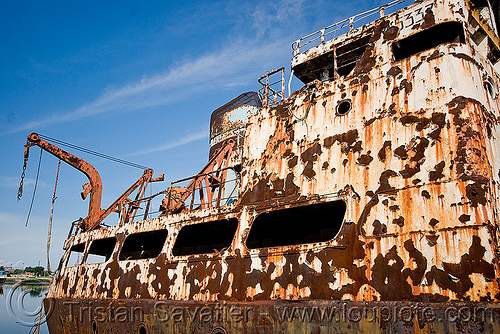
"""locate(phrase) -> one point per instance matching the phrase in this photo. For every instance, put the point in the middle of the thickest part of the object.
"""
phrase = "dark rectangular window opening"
(75, 254)
(144, 245)
(350, 54)
(100, 250)
(323, 66)
(300, 225)
(204, 238)
(448, 32)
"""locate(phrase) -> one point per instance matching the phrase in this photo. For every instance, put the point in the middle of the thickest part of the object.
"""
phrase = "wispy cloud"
(6, 263)
(11, 219)
(182, 141)
(13, 182)
(222, 68)
(266, 16)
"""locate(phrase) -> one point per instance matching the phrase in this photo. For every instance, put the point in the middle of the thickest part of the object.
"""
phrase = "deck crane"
(127, 207)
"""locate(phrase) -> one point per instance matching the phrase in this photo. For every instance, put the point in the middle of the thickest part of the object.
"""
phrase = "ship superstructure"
(366, 201)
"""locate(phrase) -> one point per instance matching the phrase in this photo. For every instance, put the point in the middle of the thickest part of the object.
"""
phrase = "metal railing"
(272, 92)
(209, 188)
(316, 38)
(143, 204)
(212, 189)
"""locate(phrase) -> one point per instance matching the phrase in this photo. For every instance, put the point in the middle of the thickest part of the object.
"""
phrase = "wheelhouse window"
(348, 55)
(448, 32)
(209, 237)
(75, 255)
(100, 250)
(299, 225)
(329, 65)
(144, 245)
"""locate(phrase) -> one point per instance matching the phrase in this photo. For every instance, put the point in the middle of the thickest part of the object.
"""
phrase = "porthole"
(344, 107)
(218, 330)
(142, 329)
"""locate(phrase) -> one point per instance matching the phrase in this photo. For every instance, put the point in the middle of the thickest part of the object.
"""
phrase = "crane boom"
(88, 222)
(96, 215)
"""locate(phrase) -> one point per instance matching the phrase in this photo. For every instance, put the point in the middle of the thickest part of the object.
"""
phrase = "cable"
(100, 155)
(34, 189)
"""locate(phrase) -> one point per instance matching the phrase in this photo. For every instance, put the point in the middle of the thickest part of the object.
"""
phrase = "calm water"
(18, 307)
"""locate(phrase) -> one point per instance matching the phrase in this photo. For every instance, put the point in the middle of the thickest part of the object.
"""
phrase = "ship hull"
(306, 316)
(367, 202)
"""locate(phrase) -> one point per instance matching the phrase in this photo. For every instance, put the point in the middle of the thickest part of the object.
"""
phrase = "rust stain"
(414, 161)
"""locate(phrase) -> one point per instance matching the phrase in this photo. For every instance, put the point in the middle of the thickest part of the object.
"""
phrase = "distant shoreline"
(14, 280)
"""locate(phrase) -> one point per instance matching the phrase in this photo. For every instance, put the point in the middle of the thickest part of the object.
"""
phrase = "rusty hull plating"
(410, 144)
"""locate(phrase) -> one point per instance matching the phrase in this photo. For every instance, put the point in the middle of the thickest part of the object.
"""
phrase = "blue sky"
(135, 80)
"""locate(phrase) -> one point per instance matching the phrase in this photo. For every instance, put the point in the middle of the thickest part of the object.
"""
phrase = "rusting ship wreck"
(366, 201)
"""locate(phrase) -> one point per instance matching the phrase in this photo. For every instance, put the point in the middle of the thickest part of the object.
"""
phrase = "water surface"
(19, 307)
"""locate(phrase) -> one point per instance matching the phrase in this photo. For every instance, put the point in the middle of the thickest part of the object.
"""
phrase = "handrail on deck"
(334, 28)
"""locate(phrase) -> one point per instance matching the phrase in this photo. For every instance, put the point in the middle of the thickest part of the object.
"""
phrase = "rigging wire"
(34, 189)
(100, 155)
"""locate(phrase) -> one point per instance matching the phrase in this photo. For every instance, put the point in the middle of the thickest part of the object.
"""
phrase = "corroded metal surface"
(121, 316)
(229, 121)
(410, 145)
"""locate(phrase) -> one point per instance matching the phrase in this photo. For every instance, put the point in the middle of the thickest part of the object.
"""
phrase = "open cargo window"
(100, 250)
(299, 225)
(205, 238)
(75, 255)
(143, 245)
(448, 32)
